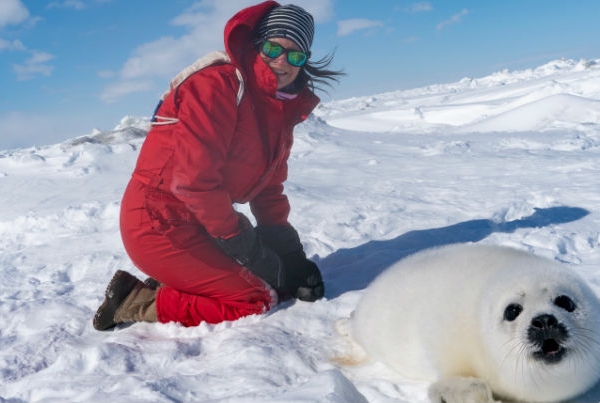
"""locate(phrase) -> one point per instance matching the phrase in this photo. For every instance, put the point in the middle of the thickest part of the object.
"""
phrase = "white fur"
(439, 316)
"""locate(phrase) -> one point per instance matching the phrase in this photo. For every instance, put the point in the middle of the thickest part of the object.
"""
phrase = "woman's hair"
(314, 74)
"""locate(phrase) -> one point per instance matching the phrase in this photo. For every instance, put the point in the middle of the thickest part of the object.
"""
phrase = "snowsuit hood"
(241, 30)
(240, 36)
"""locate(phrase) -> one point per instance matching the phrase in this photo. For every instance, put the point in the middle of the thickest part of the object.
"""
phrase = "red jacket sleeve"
(207, 117)
(271, 206)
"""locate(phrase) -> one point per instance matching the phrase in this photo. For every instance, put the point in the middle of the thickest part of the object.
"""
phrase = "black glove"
(247, 250)
(303, 278)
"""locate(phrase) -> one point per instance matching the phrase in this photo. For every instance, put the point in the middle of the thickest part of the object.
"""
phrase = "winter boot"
(126, 299)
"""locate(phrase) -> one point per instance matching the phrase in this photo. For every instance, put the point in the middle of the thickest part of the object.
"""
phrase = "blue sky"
(69, 66)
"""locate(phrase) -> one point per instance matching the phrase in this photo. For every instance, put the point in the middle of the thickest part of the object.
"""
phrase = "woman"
(222, 135)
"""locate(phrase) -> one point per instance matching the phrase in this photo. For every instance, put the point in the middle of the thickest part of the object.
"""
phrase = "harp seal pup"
(481, 322)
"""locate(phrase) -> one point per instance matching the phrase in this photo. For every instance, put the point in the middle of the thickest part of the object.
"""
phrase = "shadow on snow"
(354, 268)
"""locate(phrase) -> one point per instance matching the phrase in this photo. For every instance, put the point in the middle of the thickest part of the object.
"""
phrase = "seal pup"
(481, 322)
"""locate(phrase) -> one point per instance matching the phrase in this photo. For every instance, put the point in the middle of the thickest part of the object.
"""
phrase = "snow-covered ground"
(511, 159)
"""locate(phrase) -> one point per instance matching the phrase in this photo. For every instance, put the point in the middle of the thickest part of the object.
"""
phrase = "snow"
(512, 159)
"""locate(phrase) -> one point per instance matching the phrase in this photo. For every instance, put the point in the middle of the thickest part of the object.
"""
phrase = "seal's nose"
(547, 335)
(544, 322)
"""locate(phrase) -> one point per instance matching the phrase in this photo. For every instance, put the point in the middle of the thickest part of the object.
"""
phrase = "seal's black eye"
(565, 303)
(512, 311)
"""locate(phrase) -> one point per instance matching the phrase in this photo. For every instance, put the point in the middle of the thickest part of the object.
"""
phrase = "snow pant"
(200, 283)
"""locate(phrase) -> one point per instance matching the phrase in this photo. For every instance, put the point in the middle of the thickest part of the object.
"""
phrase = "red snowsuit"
(189, 174)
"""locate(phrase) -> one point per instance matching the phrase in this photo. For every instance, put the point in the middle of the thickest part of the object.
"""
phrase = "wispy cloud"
(106, 74)
(420, 7)
(12, 12)
(121, 89)
(34, 66)
(11, 45)
(347, 27)
(74, 4)
(163, 58)
(455, 19)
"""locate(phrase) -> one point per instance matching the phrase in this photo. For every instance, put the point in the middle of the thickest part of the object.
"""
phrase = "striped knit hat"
(288, 21)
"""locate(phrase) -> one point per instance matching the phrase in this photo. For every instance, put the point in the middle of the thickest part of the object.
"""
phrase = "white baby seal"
(482, 322)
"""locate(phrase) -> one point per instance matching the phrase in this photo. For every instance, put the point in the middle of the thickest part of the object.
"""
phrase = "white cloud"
(118, 90)
(455, 19)
(74, 4)
(34, 66)
(12, 45)
(106, 74)
(12, 12)
(40, 57)
(422, 6)
(346, 27)
(24, 129)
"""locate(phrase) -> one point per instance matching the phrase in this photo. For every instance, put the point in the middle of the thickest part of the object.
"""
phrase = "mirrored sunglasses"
(294, 57)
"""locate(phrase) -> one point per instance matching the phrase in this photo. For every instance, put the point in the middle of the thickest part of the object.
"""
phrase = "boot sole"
(117, 290)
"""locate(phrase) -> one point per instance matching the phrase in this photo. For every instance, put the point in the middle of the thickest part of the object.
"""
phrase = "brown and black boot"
(126, 299)
(152, 283)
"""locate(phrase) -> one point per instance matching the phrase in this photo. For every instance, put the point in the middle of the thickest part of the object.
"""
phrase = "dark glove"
(303, 278)
(247, 250)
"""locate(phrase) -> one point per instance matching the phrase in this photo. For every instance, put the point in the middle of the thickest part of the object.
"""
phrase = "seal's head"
(544, 328)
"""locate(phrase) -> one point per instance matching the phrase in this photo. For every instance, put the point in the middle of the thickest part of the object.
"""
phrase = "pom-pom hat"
(288, 21)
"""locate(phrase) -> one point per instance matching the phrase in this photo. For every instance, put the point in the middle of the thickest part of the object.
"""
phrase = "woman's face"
(285, 72)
